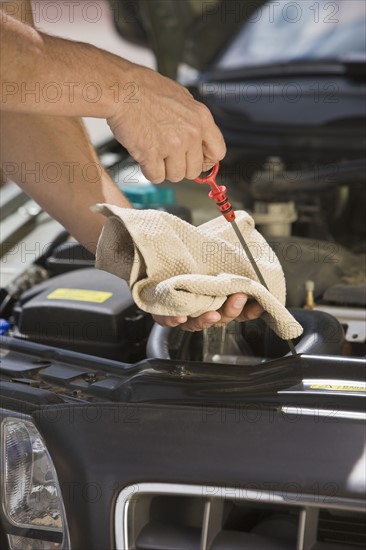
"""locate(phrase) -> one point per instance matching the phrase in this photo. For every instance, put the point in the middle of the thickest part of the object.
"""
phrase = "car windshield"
(286, 32)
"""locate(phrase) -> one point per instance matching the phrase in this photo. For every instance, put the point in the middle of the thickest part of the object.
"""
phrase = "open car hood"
(181, 31)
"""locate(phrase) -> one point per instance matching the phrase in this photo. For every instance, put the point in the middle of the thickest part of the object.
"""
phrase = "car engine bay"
(121, 434)
(71, 357)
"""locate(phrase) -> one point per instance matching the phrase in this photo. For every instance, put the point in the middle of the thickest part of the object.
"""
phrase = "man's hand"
(235, 308)
(170, 134)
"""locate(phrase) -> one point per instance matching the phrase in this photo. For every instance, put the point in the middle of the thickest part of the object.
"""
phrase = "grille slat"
(337, 529)
(183, 517)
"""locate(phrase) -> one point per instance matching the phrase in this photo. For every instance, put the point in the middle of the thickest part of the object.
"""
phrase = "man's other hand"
(236, 308)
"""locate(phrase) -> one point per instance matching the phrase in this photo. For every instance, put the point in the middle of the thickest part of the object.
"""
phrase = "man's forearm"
(58, 76)
(170, 134)
(54, 162)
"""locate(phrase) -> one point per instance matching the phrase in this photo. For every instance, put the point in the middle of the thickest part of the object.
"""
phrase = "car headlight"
(33, 511)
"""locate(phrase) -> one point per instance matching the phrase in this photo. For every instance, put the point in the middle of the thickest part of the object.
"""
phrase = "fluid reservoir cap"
(140, 191)
(149, 196)
(4, 326)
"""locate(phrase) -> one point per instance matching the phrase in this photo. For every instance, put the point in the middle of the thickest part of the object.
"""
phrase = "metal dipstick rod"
(218, 194)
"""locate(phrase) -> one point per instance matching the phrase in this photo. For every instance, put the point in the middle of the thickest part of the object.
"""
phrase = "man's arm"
(168, 132)
(33, 143)
(52, 159)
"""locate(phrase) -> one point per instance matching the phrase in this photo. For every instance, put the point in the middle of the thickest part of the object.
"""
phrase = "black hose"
(158, 342)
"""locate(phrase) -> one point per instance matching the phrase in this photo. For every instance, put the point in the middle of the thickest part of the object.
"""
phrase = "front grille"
(185, 517)
(337, 529)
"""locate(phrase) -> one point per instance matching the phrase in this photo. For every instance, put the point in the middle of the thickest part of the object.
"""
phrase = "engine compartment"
(61, 300)
(222, 439)
(214, 409)
(76, 307)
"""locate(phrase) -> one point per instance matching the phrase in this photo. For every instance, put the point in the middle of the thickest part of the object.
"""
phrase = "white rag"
(174, 268)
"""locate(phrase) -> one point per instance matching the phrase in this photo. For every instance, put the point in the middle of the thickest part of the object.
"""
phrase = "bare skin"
(170, 134)
(166, 131)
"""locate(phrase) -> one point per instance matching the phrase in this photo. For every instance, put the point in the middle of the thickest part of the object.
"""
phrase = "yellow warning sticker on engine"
(80, 295)
(335, 387)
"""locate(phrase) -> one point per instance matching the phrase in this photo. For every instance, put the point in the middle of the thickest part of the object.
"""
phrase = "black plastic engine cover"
(87, 310)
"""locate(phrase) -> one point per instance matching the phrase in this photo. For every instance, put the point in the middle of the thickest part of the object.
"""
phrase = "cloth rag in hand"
(174, 268)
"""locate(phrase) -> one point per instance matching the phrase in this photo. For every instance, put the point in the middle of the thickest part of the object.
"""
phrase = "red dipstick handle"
(218, 193)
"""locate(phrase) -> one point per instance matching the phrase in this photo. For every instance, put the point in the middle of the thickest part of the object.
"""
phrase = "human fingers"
(252, 310)
(206, 320)
(213, 145)
(175, 167)
(232, 309)
(169, 320)
(154, 170)
(194, 163)
(191, 324)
